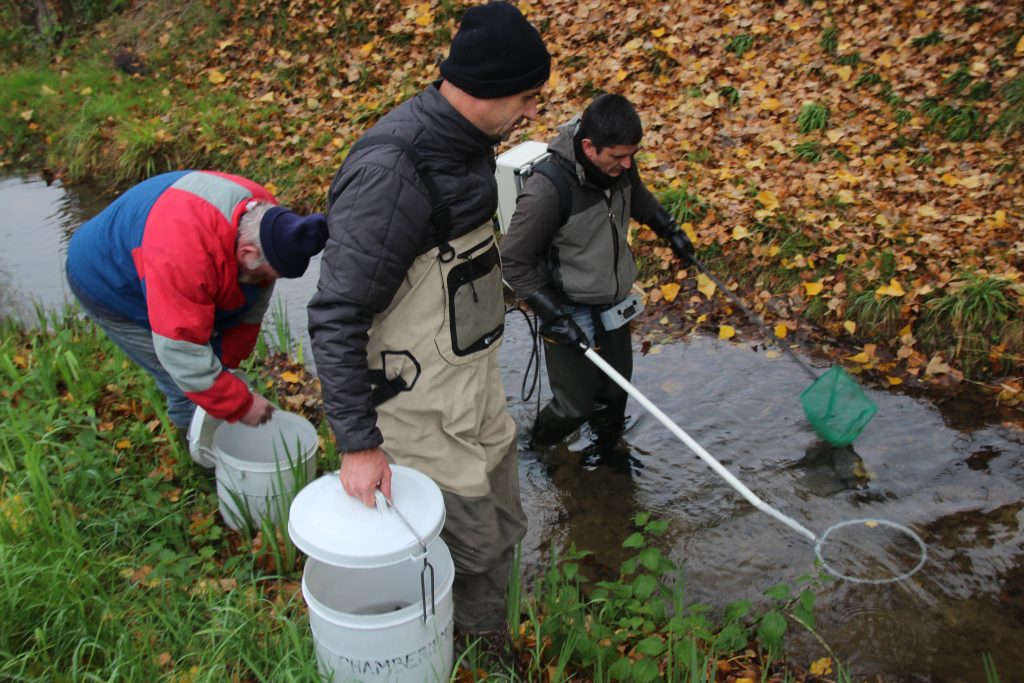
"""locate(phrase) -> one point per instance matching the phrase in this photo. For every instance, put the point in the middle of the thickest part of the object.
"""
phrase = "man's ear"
(247, 252)
(589, 148)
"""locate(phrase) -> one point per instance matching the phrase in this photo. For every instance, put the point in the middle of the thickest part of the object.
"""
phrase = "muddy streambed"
(941, 468)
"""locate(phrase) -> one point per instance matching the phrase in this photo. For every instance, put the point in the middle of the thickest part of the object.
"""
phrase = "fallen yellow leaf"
(740, 232)
(893, 381)
(822, 666)
(927, 211)
(424, 17)
(726, 332)
(26, 114)
(949, 179)
(768, 199)
(1020, 46)
(271, 188)
(861, 358)
(711, 100)
(850, 326)
(216, 77)
(770, 103)
(621, 75)
(894, 288)
(845, 197)
(290, 377)
(998, 219)
(705, 286)
(670, 291)
(844, 73)
(123, 444)
(781, 330)
(86, 91)
(813, 288)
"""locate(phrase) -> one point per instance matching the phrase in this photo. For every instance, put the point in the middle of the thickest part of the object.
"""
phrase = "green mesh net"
(837, 408)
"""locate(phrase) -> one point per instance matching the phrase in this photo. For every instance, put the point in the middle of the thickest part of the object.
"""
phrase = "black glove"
(682, 247)
(556, 322)
(665, 227)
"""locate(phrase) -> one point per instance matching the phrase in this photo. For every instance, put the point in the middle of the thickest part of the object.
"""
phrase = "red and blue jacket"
(163, 255)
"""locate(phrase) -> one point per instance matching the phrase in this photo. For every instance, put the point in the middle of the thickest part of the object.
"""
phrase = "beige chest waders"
(441, 335)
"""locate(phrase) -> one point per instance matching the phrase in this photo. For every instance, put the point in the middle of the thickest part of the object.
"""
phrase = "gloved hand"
(681, 245)
(665, 226)
(556, 322)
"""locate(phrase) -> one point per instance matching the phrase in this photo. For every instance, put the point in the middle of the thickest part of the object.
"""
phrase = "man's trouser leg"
(482, 534)
(609, 412)
(136, 342)
(577, 386)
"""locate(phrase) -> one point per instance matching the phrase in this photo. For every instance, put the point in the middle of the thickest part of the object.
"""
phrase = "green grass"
(685, 207)
(976, 323)
(933, 38)
(740, 44)
(812, 117)
(809, 150)
(111, 566)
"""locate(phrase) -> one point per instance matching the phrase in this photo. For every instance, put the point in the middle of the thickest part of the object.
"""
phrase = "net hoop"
(880, 522)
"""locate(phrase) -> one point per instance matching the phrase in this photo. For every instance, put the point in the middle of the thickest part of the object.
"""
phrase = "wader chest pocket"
(475, 306)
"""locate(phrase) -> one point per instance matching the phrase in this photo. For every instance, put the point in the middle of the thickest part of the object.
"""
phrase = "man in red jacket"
(179, 271)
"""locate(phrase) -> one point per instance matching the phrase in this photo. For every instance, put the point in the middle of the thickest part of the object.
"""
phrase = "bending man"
(179, 271)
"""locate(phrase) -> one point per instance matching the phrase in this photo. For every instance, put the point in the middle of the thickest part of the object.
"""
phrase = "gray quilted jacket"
(379, 220)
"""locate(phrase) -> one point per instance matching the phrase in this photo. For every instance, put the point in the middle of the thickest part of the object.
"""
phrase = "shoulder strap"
(440, 215)
(557, 175)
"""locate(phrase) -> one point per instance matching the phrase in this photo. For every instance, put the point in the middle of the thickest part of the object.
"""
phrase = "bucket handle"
(383, 503)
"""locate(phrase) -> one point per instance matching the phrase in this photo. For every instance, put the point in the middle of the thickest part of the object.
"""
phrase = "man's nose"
(531, 110)
(627, 162)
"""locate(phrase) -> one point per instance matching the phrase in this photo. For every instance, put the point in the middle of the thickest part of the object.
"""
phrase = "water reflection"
(39, 217)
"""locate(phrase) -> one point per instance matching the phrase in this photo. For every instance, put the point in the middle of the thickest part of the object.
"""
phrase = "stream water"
(944, 469)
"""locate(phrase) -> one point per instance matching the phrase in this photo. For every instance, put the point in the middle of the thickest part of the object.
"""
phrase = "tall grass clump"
(977, 323)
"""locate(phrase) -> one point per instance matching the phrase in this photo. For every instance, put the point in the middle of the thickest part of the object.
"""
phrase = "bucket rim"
(222, 457)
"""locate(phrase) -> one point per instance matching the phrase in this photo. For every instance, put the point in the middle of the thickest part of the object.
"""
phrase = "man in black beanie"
(408, 316)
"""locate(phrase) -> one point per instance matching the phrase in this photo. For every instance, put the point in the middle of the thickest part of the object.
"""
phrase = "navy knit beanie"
(289, 240)
(496, 53)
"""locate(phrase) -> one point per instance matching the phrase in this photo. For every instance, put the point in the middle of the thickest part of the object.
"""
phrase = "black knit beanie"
(496, 53)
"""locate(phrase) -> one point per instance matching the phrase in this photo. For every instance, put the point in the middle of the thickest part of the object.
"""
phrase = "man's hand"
(556, 322)
(682, 247)
(259, 412)
(363, 472)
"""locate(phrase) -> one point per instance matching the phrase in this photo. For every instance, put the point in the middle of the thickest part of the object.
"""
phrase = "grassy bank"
(114, 563)
(855, 174)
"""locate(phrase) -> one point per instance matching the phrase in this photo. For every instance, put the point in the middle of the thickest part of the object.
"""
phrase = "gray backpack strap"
(557, 175)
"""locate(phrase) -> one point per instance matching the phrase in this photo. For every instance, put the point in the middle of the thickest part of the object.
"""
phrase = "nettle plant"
(640, 627)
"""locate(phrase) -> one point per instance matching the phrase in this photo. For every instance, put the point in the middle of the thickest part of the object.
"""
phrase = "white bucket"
(368, 625)
(378, 580)
(262, 467)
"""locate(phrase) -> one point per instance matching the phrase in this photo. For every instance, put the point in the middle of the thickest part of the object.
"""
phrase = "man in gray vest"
(576, 270)
(408, 315)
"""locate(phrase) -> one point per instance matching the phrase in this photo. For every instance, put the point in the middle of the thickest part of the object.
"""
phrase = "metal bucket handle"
(383, 503)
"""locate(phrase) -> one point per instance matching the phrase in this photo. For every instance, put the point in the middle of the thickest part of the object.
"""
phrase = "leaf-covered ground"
(851, 169)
